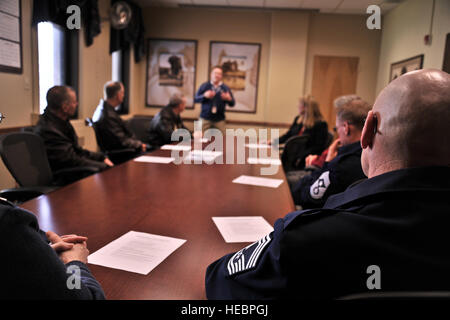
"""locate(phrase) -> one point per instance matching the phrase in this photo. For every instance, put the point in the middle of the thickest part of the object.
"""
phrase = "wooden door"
(333, 77)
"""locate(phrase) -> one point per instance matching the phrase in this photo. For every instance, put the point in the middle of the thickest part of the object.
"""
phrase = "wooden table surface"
(163, 199)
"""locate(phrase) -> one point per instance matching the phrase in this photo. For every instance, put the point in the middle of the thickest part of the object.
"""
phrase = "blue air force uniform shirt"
(335, 176)
(396, 223)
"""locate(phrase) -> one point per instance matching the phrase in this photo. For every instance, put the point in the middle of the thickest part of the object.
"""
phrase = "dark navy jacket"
(30, 268)
(207, 104)
(397, 221)
(335, 176)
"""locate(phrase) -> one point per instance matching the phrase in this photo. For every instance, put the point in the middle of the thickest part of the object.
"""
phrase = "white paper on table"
(152, 159)
(176, 147)
(258, 181)
(242, 229)
(135, 252)
(203, 155)
(273, 161)
(257, 146)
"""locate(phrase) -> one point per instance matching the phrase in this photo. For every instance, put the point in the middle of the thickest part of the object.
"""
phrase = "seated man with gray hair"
(342, 165)
(167, 121)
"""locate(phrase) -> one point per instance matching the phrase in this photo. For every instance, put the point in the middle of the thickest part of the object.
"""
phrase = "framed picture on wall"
(404, 66)
(171, 67)
(240, 64)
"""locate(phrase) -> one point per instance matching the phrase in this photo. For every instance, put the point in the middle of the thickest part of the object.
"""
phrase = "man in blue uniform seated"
(387, 233)
(36, 265)
(342, 165)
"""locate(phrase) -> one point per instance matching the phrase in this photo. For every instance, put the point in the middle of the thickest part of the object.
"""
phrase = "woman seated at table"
(309, 122)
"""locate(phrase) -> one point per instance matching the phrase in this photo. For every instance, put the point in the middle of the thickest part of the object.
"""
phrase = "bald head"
(408, 126)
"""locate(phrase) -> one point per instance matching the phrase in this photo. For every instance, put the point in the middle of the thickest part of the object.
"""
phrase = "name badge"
(214, 110)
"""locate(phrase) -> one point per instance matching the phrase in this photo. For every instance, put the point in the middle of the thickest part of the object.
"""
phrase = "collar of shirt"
(349, 148)
(433, 178)
(218, 85)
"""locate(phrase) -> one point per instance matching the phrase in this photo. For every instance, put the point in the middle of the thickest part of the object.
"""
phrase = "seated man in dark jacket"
(60, 139)
(112, 130)
(40, 266)
(342, 166)
(167, 121)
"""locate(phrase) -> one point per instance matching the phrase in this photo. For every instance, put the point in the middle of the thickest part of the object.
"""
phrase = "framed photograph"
(170, 69)
(404, 66)
(240, 64)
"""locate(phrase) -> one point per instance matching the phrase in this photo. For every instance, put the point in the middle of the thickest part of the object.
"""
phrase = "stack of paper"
(242, 229)
(258, 181)
(135, 252)
(180, 147)
(152, 159)
(273, 161)
(203, 155)
(257, 146)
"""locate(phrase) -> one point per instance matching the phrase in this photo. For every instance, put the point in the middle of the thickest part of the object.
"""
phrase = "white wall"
(403, 32)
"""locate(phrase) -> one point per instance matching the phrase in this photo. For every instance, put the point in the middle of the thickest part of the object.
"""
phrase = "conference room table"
(170, 200)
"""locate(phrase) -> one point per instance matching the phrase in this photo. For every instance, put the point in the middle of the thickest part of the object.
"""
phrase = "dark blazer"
(61, 144)
(162, 125)
(318, 135)
(112, 130)
(31, 269)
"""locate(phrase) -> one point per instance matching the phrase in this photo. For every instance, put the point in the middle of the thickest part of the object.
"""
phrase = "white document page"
(258, 181)
(135, 252)
(276, 162)
(204, 155)
(257, 146)
(176, 147)
(242, 229)
(151, 159)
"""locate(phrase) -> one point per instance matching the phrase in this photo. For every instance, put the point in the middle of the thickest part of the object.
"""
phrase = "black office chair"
(293, 153)
(329, 140)
(25, 157)
(140, 127)
(116, 156)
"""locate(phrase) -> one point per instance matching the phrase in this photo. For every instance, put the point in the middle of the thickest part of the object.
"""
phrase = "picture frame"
(240, 63)
(171, 68)
(11, 57)
(401, 67)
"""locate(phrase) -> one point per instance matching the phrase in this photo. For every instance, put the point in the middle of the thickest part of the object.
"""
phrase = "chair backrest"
(140, 127)
(294, 150)
(26, 159)
(98, 136)
(329, 140)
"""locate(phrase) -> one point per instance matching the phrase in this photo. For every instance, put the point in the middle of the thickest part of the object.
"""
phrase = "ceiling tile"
(320, 4)
(294, 4)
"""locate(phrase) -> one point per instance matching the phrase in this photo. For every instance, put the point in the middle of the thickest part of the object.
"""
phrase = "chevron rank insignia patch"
(247, 258)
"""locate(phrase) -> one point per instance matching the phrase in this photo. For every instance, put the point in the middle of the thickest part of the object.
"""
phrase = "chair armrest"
(69, 175)
(120, 152)
(22, 194)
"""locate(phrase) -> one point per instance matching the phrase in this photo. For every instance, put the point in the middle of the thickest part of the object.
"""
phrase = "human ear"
(369, 130)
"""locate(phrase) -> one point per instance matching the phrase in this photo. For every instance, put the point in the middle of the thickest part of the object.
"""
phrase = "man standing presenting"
(214, 95)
